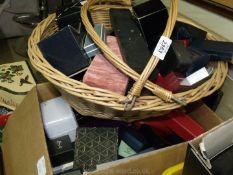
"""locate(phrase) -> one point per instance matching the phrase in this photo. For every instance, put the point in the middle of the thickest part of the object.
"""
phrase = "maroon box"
(183, 125)
(170, 82)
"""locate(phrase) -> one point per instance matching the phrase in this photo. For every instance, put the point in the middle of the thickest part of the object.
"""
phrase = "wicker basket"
(90, 101)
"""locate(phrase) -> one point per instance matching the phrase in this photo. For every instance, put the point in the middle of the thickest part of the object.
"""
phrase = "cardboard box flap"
(46, 91)
(206, 117)
(24, 141)
(153, 163)
(195, 142)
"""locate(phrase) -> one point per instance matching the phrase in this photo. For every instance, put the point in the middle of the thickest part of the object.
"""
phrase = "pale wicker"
(102, 103)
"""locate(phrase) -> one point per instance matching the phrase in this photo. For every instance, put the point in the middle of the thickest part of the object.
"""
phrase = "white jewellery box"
(58, 119)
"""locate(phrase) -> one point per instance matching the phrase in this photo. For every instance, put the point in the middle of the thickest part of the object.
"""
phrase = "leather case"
(153, 138)
(126, 151)
(3, 119)
(156, 125)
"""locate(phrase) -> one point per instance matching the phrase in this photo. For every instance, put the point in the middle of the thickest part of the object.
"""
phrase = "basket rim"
(109, 98)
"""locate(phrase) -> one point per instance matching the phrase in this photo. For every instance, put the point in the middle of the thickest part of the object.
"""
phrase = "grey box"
(89, 46)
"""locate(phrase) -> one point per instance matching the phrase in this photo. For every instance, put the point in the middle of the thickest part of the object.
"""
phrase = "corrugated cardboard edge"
(151, 163)
(24, 132)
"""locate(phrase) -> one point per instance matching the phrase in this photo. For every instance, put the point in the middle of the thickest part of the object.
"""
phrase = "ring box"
(58, 119)
(147, 14)
(63, 50)
(61, 150)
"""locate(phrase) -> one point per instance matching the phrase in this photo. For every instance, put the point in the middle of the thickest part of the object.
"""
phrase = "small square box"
(58, 119)
(61, 150)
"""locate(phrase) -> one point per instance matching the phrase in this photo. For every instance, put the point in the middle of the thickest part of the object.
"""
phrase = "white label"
(41, 168)
(83, 2)
(162, 47)
(195, 77)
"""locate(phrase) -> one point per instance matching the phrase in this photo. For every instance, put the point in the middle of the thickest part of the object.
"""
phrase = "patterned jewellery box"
(95, 146)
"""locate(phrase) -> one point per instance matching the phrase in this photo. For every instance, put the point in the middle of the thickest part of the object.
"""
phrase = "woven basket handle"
(152, 63)
(141, 80)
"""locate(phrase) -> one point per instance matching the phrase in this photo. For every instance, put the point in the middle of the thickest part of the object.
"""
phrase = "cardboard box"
(25, 150)
(196, 164)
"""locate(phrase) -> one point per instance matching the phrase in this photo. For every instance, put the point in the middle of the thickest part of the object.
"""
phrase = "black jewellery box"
(151, 17)
(61, 150)
(69, 15)
(132, 44)
(63, 50)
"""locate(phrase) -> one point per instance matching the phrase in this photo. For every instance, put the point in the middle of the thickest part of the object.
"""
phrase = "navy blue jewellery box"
(64, 52)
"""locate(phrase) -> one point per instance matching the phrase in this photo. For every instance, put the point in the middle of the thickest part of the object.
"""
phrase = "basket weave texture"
(90, 101)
